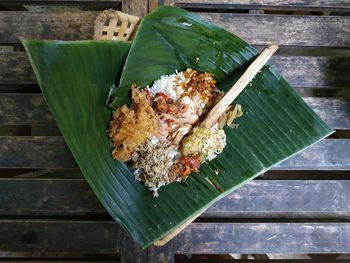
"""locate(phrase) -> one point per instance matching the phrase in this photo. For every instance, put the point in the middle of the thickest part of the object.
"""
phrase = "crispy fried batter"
(132, 126)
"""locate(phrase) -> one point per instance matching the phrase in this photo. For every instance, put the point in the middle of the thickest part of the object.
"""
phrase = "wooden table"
(302, 206)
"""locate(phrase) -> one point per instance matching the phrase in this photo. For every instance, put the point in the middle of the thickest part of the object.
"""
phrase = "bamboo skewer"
(239, 86)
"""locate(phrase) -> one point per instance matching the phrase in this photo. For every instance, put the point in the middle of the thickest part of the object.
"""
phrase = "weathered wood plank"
(290, 237)
(15, 68)
(40, 2)
(57, 259)
(52, 25)
(258, 29)
(285, 199)
(303, 71)
(153, 4)
(269, 258)
(35, 152)
(257, 199)
(263, 238)
(31, 109)
(267, 29)
(256, 238)
(330, 154)
(79, 236)
(311, 51)
(49, 198)
(135, 7)
(204, 238)
(25, 109)
(334, 111)
(105, 237)
(325, 4)
(52, 152)
(299, 71)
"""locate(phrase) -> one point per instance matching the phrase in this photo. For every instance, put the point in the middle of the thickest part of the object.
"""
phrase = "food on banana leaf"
(131, 127)
(208, 143)
(159, 132)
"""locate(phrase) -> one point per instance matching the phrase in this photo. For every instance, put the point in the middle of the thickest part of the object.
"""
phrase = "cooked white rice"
(169, 84)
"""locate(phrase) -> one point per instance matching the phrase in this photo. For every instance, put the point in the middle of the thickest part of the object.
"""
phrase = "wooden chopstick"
(239, 86)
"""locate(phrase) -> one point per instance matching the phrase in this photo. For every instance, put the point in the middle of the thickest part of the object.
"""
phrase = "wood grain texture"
(58, 1)
(299, 71)
(25, 109)
(52, 152)
(198, 238)
(15, 68)
(129, 250)
(330, 154)
(258, 29)
(286, 30)
(58, 259)
(153, 4)
(55, 236)
(256, 238)
(31, 109)
(334, 111)
(70, 237)
(52, 25)
(303, 71)
(135, 7)
(31, 152)
(285, 199)
(48, 197)
(59, 198)
(268, 258)
(325, 4)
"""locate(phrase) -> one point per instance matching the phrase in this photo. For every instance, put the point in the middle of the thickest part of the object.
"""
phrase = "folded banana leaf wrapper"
(75, 78)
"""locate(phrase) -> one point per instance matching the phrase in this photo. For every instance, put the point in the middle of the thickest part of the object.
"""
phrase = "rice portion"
(170, 85)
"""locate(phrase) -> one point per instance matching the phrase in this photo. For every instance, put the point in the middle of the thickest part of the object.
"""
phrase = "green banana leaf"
(76, 78)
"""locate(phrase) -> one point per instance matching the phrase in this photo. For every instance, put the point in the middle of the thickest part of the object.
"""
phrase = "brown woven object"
(115, 25)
